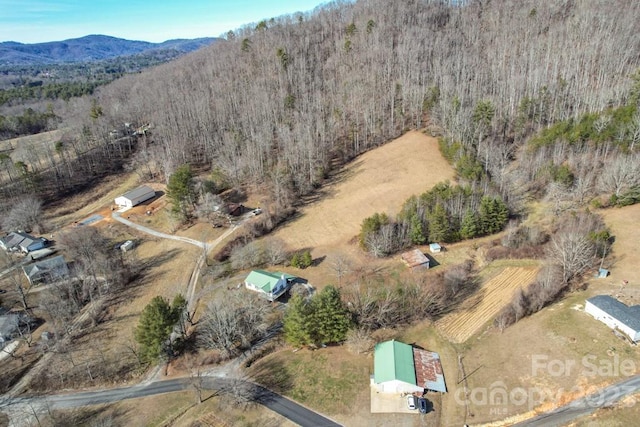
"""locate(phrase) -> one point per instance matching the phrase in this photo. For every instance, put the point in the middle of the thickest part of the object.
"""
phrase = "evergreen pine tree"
(295, 260)
(181, 190)
(438, 225)
(297, 322)
(330, 317)
(417, 230)
(306, 260)
(500, 215)
(486, 215)
(469, 225)
(154, 327)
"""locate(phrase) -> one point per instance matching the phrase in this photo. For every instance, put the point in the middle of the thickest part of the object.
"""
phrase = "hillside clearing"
(378, 181)
(625, 258)
(462, 324)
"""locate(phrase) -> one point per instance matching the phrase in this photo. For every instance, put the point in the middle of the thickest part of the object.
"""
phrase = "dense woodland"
(283, 102)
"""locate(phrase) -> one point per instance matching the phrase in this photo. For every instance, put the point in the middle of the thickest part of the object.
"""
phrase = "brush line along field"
(462, 324)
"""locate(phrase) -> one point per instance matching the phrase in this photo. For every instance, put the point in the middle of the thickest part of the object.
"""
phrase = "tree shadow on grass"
(274, 375)
(102, 415)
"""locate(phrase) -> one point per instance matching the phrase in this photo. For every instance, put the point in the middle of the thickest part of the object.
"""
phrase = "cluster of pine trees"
(321, 319)
(446, 213)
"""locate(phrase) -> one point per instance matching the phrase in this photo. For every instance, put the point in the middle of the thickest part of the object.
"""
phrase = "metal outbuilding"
(135, 197)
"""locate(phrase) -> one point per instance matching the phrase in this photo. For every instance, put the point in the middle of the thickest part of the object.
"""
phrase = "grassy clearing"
(330, 380)
(378, 181)
(177, 409)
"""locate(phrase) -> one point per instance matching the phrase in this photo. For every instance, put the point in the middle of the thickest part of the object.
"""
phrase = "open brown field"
(494, 294)
(625, 257)
(36, 140)
(378, 181)
(559, 354)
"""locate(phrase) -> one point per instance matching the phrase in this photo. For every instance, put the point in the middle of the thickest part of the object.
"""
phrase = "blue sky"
(34, 21)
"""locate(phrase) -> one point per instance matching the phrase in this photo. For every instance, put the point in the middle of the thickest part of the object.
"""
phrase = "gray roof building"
(23, 241)
(615, 314)
(48, 270)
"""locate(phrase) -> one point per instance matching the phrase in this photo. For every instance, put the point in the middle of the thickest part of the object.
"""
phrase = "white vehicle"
(257, 211)
(412, 402)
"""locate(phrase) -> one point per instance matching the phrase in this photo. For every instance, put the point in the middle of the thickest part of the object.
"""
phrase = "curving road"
(585, 406)
(256, 393)
(18, 408)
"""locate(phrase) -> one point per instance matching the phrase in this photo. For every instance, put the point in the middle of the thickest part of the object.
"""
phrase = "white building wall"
(399, 387)
(123, 201)
(611, 322)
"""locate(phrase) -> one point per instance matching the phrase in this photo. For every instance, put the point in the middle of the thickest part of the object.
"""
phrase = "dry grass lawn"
(378, 181)
(543, 352)
(177, 409)
(21, 147)
(625, 413)
(623, 223)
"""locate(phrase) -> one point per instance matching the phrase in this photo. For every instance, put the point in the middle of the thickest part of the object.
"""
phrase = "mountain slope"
(88, 48)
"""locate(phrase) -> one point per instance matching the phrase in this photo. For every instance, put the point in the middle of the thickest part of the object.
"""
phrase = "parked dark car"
(423, 405)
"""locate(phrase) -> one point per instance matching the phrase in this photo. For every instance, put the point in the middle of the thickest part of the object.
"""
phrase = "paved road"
(585, 406)
(283, 406)
(117, 217)
(18, 407)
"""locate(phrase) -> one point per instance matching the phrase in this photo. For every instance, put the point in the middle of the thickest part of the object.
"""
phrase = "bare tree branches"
(230, 325)
(25, 215)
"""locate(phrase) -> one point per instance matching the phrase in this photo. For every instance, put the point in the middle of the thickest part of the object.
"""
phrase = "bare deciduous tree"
(26, 215)
(620, 173)
(359, 341)
(232, 324)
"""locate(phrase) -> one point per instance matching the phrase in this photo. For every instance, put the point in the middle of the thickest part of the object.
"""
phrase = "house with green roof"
(268, 284)
(402, 368)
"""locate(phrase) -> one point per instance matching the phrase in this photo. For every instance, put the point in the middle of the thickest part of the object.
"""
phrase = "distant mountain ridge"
(89, 48)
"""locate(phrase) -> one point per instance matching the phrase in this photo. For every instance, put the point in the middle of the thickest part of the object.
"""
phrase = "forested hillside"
(89, 48)
(282, 102)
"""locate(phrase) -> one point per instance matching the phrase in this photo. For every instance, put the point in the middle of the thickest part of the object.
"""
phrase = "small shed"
(236, 209)
(435, 248)
(415, 258)
(127, 246)
(615, 314)
(602, 273)
(135, 197)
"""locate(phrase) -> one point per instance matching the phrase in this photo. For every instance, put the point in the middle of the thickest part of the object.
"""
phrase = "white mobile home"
(615, 315)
